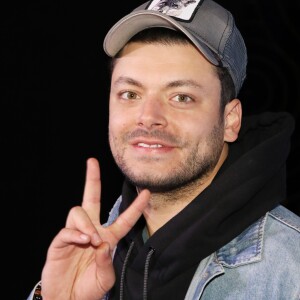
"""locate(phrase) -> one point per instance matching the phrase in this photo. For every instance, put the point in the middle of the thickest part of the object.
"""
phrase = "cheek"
(199, 126)
(117, 121)
(113, 134)
(202, 130)
(117, 128)
(113, 141)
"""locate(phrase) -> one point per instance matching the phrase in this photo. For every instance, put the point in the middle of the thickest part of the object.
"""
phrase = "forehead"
(170, 58)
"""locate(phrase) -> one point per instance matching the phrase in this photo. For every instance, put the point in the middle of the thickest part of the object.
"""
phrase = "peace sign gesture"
(79, 259)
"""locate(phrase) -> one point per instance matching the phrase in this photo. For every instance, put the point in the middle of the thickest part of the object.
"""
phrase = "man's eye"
(182, 98)
(129, 95)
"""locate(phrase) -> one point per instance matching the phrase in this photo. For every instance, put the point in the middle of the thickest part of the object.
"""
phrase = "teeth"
(149, 146)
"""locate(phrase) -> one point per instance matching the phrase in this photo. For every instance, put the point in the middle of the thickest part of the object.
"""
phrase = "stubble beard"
(195, 168)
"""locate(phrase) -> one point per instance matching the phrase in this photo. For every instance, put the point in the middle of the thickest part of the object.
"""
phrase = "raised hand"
(79, 259)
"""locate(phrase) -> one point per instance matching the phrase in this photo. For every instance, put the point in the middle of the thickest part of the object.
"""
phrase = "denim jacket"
(262, 263)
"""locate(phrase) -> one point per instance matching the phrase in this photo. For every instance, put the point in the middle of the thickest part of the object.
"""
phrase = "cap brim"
(137, 21)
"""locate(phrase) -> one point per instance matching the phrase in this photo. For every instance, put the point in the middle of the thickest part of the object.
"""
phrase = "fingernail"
(84, 237)
(96, 239)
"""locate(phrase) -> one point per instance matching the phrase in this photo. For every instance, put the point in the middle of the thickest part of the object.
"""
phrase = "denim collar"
(245, 248)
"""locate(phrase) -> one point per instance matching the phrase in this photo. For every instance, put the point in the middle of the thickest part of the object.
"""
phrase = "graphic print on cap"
(180, 9)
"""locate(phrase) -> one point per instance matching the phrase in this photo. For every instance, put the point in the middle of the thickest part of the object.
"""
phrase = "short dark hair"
(170, 37)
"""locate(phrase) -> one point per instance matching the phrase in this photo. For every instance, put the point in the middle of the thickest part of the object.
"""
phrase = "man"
(199, 216)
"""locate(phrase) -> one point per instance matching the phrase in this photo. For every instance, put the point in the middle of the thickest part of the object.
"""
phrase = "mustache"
(162, 135)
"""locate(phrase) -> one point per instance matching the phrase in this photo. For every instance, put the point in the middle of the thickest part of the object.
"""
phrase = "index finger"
(92, 190)
(129, 217)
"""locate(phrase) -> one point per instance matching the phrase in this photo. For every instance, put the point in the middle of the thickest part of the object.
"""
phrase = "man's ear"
(232, 120)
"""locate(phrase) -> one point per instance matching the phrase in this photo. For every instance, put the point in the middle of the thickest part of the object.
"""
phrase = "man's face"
(165, 128)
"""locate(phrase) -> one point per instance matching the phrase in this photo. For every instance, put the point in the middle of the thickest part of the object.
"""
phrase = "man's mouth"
(149, 145)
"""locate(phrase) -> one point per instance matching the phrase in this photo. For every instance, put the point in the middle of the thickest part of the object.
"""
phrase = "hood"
(251, 182)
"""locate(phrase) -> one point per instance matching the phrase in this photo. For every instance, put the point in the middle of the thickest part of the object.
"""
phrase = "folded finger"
(79, 220)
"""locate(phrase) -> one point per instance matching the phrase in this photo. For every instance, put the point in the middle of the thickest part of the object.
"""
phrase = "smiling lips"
(160, 144)
(153, 147)
(149, 146)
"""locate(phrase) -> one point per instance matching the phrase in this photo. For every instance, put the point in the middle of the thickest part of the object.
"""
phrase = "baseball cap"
(208, 25)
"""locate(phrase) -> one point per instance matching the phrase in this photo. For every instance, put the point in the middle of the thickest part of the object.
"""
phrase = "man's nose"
(152, 113)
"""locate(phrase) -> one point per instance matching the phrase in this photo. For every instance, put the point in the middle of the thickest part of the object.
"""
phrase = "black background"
(54, 94)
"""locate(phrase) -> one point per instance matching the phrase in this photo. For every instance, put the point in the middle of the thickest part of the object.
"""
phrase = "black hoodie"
(251, 182)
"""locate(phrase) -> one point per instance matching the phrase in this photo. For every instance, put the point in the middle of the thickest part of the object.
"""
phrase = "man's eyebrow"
(171, 84)
(185, 82)
(128, 80)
